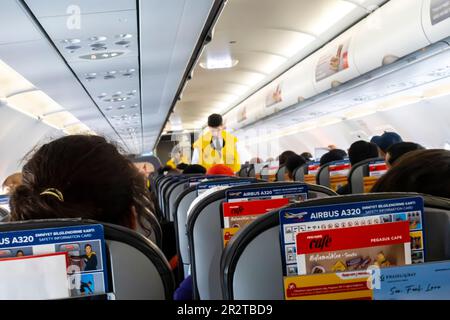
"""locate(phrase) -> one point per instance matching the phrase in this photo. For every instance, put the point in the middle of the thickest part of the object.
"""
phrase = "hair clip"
(54, 193)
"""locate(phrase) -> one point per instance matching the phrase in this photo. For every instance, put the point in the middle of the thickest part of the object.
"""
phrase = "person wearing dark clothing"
(394, 152)
(332, 155)
(194, 168)
(284, 156)
(90, 259)
(292, 163)
(359, 151)
(386, 140)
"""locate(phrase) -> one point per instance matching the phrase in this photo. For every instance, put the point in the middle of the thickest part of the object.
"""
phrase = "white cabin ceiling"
(267, 37)
(142, 49)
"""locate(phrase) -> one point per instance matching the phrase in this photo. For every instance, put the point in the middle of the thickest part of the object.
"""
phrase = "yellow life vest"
(208, 156)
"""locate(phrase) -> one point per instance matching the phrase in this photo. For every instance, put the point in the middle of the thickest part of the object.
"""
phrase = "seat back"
(204, 228)
(243, 172)
(4, 208)
(359, 172)
(259, 245)
(180, 210)
(299, 173)
(174, 190)
(323, 176)
(251, 171)
(136, 267)
(280, 173)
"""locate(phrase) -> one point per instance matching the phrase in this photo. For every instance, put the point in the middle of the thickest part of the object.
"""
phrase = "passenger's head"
(194, 168)
(386, 140)
(12, 182)
(423, 171)
(19, 253)
(284, 155)
(292, 163)
(82, 176)
(362, 150)
(394, 152)
(182, 166)
(307, 156)
(220, 169)
(88, 248)
(167, 170)
(215, 124)
(332, 155)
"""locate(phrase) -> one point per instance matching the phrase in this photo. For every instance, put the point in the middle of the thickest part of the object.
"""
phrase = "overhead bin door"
(394, 30)
(334, 63)
(436, 19)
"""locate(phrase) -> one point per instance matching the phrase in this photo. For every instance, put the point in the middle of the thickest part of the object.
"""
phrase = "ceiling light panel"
(45, 71)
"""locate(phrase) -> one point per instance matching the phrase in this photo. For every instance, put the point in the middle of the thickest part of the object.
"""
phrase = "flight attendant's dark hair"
(423, 171)
(82, 176)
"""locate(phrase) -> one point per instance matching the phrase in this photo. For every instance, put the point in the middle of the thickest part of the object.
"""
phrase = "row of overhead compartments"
(395, 30)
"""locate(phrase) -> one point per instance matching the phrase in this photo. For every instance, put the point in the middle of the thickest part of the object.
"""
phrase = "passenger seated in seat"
(82, 176)
(394, 152)
(384, 141)
(194, 168)
(292, 163)
(359, 151)
(283, 156)
(423, 171)
(220, 169)
(307, 156)
(332, 155)
(167, 170)
(12, 182)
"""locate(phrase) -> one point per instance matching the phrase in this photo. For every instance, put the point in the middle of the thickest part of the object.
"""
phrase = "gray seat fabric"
(180, 209)
(259, 245)
(280, 173)
(323, 176)
(184, 201)
(251, 172)
(139, 269)
(299, 173)
(204, 228)
(357, 174)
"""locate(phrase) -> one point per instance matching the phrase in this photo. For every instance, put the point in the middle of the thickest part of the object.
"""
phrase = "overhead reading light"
(211, 64)
(102, 56)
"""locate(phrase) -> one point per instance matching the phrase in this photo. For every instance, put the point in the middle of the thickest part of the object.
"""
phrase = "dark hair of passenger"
(182, 166)
(292, 163)
(307, 156)
(332, 155)
(422, 171)
(284, 155)
(394, 152)
(82, 176)
(195, 168)
(167, 170)
(362, 150)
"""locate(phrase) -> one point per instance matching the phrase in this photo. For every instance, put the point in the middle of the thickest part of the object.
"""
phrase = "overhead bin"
(436, 19)
(391, 32)
(335, 62)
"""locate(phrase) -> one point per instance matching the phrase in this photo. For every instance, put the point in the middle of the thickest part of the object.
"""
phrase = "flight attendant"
(216, 146)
